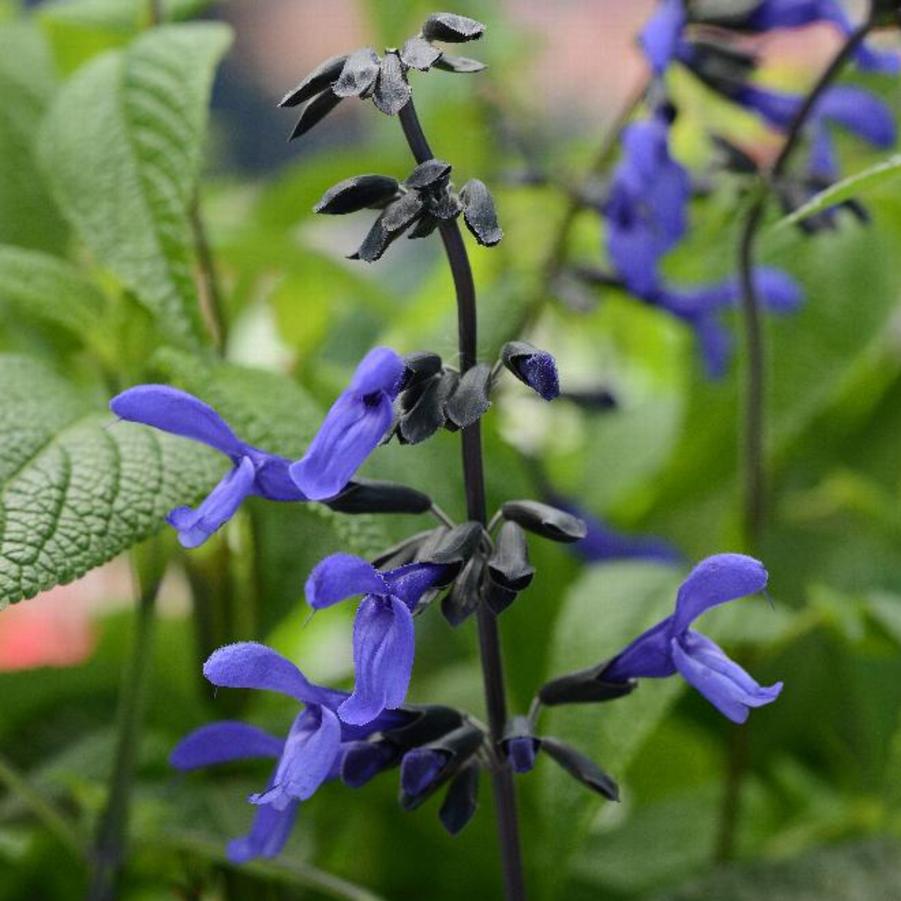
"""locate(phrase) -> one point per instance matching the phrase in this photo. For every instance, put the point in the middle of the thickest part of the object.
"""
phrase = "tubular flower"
(254, 471)
(353, 427)
(672, 646)
(383, 640)
(311, 753)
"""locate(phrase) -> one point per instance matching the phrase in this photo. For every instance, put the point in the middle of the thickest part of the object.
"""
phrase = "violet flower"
(603, 542)
(672, 646)
(254, 472)
(383, 640)
(312, 752)
(353, 427)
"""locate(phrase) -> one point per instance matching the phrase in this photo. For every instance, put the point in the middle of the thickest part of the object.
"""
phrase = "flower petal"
(341, 576)
(195, 526)
(410, 582)
(860, 112)
(716, 580)
(661, 34)
(648, 656)
(221, 743)
(178, 412)
(248, 664)
(267, 836)
(273, 477)
(380, 370)
(383, 659)
(705, 666)
(311, 749)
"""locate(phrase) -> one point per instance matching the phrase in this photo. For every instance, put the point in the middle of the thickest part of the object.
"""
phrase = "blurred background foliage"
(115, 185)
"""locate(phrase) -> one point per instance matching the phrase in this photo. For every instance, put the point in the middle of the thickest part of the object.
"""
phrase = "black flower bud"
(370, 496)
(544, 520)
(584, 687)
(580, 767)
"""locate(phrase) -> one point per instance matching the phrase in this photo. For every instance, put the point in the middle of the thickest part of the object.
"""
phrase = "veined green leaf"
(76, 488)
(844, 190)
(28, 216)
(122, 146)
(47, 288)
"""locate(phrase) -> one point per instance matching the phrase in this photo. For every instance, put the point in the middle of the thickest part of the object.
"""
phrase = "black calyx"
(358, 75)
(545, 520)
(370, 496)
(451, 28)
(580, 767)
(452, 547)
(418, 53)
(479, 213)
(519, 745)
(586, 686)
(471, 399)
(392, 91)
(422, 408)
(419, 367)
(462, 799)
(403, 552)
(358, 193)
(315, 83)
(463, 598)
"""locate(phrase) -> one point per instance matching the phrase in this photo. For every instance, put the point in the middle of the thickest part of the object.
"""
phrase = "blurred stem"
(754, 435)
(155, 11)
(474, 481)
(108, 853)
(211, 291)
(17, 783)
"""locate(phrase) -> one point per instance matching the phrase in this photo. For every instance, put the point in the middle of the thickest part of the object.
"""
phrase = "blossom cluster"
(645, 209)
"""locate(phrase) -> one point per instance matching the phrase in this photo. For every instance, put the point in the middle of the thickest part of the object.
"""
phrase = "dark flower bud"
(427, 724)
(314, 112)
(734, 159)
(479, 213)
(584, 687)
(370, 496)
(418, 367)
(444, 205)
(544, 520)
(316, 82)
(462, 799)
(461, 64)
(425, 225)
(391, 89)
(509, 564)
(363, 760)
(358, 193)
(403, 552)
(463, 598)
(390, 225)
(427, 413)
(452, 547)
(535, 368)
(496, 596)
(425, 769)
(428, 173)
(359, 73)
(519, 745)
(451, 28)
(719, 66)
(581, 767)
(470, 401)
(418, 53)
(598, 400)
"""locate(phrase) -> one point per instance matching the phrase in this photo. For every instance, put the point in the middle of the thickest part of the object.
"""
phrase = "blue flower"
(383, 638)
(351, 430)
(646, 206)
(771, 14)
(254, 471)
(701, 307)
(312, 752)
(356, 423)
(661, 35)
(606, 543)
(672, 646)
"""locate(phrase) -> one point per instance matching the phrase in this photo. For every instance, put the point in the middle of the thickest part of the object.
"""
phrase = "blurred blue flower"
(672, 646)
(661, 35)
(254, 471)
(311, 753)
(383, 629)
(646, 204)
(353, 427)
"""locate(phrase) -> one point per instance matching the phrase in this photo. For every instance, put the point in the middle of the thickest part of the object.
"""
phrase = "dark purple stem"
(474, 480)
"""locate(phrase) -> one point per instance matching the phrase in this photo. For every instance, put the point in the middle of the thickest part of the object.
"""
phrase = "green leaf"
(843, 190)
(28, 216)
(77, 489)
(604, 610)
(862, 870)
(119, 15)
(47, 288)
(122, 146)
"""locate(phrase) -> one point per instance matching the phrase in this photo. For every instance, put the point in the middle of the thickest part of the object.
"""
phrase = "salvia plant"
(242, 474)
